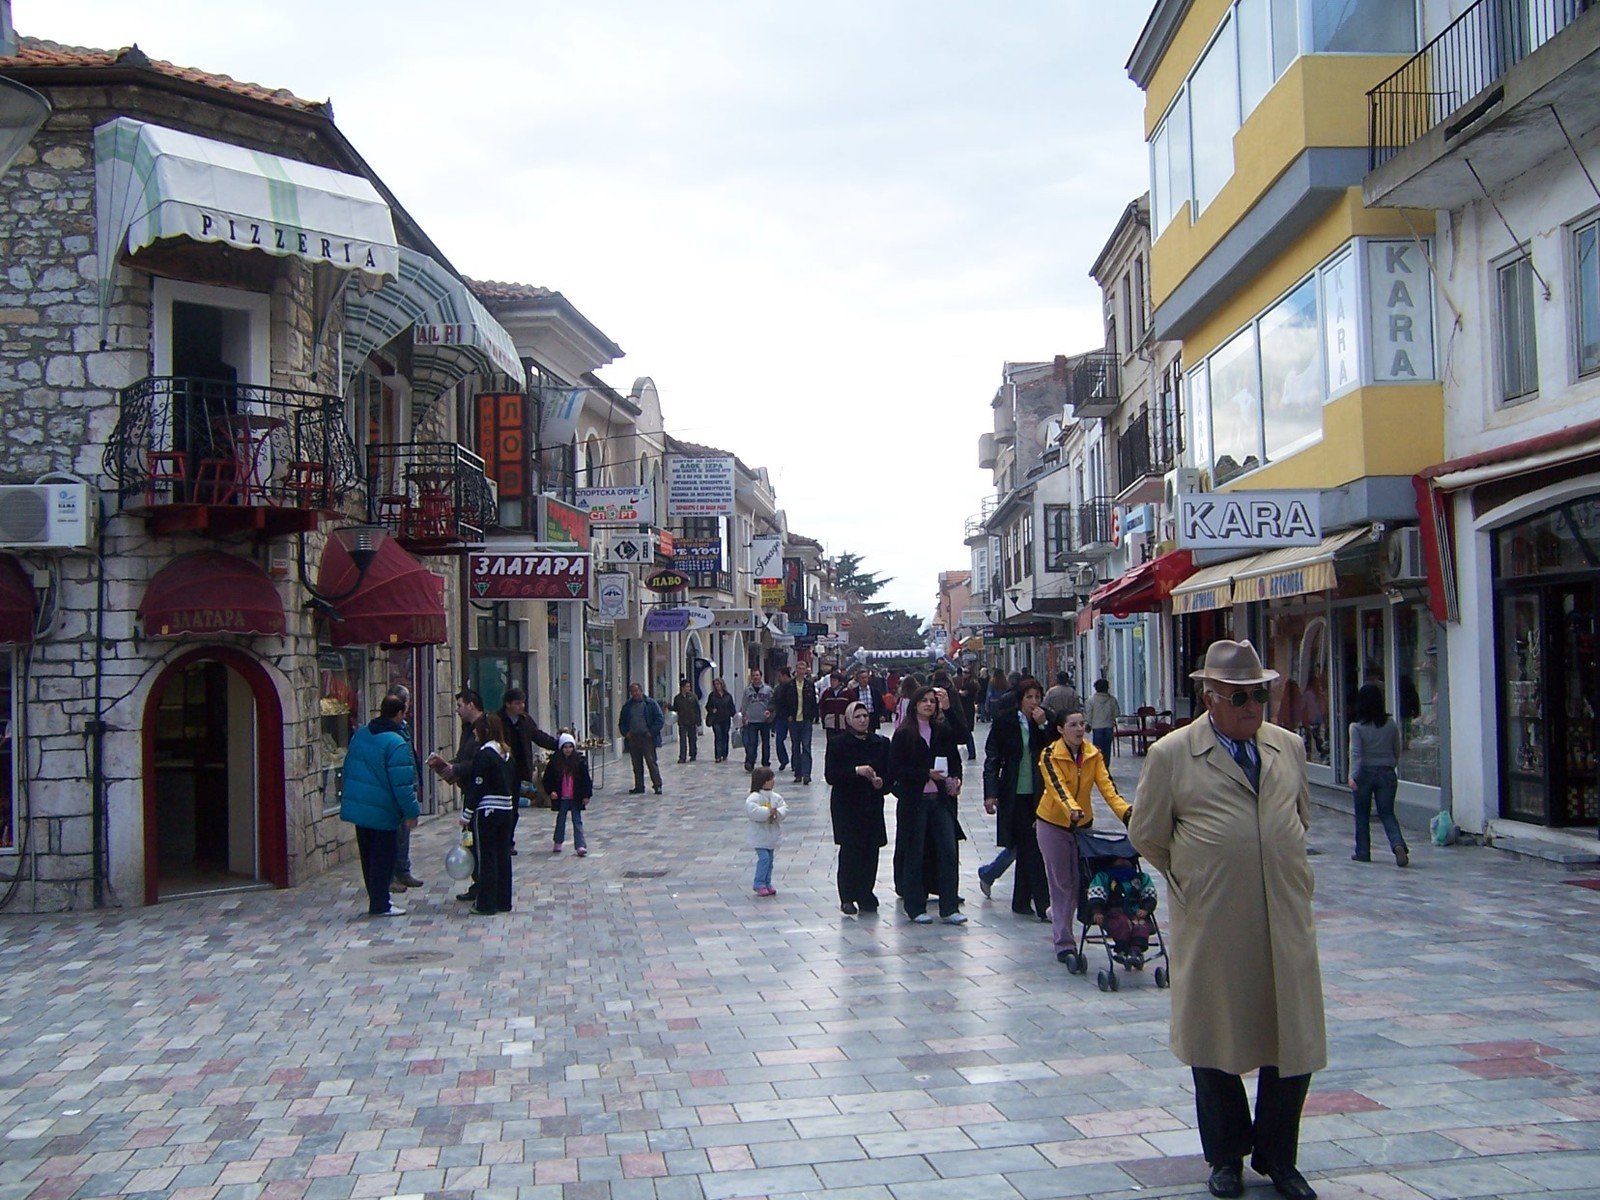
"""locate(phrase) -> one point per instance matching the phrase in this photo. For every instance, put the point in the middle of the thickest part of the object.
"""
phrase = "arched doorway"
(214, 815)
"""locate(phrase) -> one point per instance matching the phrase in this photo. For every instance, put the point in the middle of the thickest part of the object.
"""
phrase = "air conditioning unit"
(1402, 556)
(1180, 481)
(46, 516)
(1085, 578)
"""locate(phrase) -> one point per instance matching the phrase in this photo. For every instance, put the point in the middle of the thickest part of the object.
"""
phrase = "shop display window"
(1416, 699)
(1564, 539)
(1522, 668)
(8, 764)
(1297, 648)
(341, 674)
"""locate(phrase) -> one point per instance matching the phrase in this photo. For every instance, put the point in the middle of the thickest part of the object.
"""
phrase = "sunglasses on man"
(1244, 696)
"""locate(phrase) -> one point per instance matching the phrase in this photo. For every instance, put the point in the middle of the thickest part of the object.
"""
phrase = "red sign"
(501, 441)
(529, 575)
(563, 522)
(666, 581)
(844, 622)
(665, 543)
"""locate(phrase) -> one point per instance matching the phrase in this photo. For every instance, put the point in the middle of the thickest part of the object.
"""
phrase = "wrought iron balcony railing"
(1094, 523)
(1464, 61)
(432, 496)
(212, 444)
(1092, 386)
(1146, 448)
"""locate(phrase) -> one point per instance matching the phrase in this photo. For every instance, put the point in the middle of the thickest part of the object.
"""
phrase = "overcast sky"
(821, 228)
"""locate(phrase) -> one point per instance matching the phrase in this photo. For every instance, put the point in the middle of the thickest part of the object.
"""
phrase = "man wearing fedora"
(1222, 811)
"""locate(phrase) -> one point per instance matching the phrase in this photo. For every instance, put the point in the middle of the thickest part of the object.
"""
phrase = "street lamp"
(361, 543)
(22, 110)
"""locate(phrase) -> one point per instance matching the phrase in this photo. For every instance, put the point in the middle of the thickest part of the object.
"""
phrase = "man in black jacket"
(469, 707)
(522, 734)
(870, 692)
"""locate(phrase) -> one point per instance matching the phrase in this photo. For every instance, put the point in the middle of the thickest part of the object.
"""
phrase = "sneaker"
(556, 848)
(986, 886)
(583, 851)
(955, 919)
(922, 919)
(394, 910)
(410, 880)
(848, 908)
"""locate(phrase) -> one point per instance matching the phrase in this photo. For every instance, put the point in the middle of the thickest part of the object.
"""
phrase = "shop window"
(8, 754)
(1291, 384)
(1297, 648)
(1563, 539)
(1235, 408)
(1586, 253)
(342, 679)
(1514, 326)
(1416, 700)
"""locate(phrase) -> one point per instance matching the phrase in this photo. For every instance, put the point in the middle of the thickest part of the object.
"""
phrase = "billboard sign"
(699, 487)
(528, 575)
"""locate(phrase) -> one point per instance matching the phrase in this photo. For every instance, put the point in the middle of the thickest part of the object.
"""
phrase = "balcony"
(1489, 87)
(988, 451)
(210, 456)
(1092, 384)
(433, 497)
(1094, 529)
(1146, 451)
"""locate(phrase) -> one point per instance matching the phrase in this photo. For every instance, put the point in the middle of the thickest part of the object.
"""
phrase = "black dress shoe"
(638, 791)
(1227, 1179)
(1289, 1182)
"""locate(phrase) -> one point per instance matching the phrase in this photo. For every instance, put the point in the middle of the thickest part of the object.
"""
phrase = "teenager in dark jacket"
(567, 780)
(522, 735)
(856, 766)
(1012, 785)
(925, 776)
(686, 707)
(487, 804)
(719, 716)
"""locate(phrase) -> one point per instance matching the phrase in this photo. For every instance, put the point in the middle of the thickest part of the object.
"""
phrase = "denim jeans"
(1102, 739)
(1002, 861)
(800, 754)
(763, 877)
(780, 734)
(402, 850)
(719, 736)
(1376, 785)
(755, 731)
(562, 809)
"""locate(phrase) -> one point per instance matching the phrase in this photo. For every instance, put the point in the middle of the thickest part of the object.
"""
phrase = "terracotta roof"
(796, 539)
(490, 289)
(38, 53)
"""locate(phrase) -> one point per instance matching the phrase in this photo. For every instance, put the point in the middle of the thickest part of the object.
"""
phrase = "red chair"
(168, 469)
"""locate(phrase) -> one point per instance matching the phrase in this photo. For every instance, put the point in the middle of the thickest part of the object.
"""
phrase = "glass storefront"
(1298, 648)
(342, 677)
(1416, 699)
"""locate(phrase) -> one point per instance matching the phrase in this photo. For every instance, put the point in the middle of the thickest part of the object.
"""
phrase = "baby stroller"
(1096, 852)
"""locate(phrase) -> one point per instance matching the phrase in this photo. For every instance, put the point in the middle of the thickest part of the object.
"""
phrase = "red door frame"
(272, 837)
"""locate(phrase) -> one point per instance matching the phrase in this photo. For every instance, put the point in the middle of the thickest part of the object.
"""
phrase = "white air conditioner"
(1085, 579)
(1402, 556)
(1180, 481)
(45, 516)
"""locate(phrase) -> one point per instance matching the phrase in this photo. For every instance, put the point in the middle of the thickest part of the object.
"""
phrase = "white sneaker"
(922, 919)
(955, 919)
(394, 911)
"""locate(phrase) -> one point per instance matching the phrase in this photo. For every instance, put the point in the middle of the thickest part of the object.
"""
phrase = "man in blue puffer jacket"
(380, 795)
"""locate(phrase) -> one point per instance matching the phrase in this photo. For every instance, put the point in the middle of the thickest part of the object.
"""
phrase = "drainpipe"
(96, 728)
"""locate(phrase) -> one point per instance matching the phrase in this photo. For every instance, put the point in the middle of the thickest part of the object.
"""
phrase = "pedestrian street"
(643, 1027)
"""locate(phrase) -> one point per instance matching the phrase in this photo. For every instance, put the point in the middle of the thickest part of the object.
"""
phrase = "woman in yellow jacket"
(1070, 768)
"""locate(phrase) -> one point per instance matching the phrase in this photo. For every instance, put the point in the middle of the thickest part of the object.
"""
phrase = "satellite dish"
(1047, 434)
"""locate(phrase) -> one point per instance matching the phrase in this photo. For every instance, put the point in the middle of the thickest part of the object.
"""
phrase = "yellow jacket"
(1066, 801)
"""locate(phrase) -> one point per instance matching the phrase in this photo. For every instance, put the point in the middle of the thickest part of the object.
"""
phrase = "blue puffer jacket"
(380, 778)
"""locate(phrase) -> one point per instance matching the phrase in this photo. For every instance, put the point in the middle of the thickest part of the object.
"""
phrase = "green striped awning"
(454, 334)
(152, 182)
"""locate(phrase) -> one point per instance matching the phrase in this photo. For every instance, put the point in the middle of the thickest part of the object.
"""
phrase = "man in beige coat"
(1222, 811)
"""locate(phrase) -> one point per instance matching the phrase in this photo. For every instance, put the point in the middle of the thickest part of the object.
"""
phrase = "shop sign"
(772, 593)
(1296, 581)
(618, 505)
(612, 589)
(529, 575)
(560, 411)
(1138, 523)
(766, 558)
(844, 622)
(733, 618)
(560, 522)
(631, 548)
(666, 581)
(833, 608)
(501, 443)
(1204, 599)
(677, 620)
(697, 555)
(699, 487)
(800, 629)
(1400, 312)
(666, 543)
(1248, 520)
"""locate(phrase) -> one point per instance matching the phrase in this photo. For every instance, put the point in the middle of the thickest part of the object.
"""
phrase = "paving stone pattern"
(676, 1038)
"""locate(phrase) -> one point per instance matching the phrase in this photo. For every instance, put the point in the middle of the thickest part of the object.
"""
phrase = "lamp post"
(361, 543)
(22, 110)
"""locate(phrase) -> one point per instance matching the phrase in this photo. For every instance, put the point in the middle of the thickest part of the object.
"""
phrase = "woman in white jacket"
(766, 811)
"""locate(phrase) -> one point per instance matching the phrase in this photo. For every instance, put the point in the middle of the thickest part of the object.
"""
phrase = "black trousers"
(491, 840)
(688, 742)
(1226, 1130)
(929, 830)
(642, 750)
(377, 865)
(858, 871)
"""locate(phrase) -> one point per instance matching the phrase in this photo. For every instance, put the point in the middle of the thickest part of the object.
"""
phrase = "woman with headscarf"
(857, 768)
(925, 776)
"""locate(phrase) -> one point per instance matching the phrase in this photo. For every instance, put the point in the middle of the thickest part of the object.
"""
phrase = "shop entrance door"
(1362, 659)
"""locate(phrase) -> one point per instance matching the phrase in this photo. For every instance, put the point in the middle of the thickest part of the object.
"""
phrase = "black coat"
(1002, 756)
(719, 709)
(910, 760)
(856, 805)
(522, 735)
(583, 785)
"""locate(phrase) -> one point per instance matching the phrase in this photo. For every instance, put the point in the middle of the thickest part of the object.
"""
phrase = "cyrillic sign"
(529, 575)
(618, 505)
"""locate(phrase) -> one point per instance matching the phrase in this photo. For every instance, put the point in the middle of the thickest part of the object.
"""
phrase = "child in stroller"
(1116, 909)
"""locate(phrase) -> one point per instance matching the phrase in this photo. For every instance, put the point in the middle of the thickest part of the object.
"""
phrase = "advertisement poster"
(560, 523)
(699, 487)
(618, 505)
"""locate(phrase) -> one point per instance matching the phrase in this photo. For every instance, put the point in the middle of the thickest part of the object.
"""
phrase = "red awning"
(1086, 616)
(16, 603)
(399, 603)
(209, 592)
(1145, 587)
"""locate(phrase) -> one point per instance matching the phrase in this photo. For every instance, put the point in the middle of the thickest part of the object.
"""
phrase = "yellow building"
(1310, 352)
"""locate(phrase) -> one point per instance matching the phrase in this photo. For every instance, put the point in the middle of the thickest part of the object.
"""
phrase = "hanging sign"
(666, 543)
(699, 487)
(677, 620)
(528, 575)
(733, 618)
(561, 522)
(832, 608)
(631, 548)
(560, 411)
(612, 589)
(697, 555)
(771, 593)
(1248, 520)
(618, 505)
(501, 443)
(766, 559)
(794, 587)
(666, 581)
(1400, 304)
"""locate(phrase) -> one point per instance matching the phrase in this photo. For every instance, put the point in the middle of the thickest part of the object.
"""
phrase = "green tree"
(889, 629)
(858, 586)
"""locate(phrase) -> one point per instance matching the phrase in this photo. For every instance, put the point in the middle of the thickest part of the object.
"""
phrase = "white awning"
(1271, 574)
(152, 182)
(454, 334)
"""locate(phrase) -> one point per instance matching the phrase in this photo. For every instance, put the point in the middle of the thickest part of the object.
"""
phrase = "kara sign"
(699, 487)
(677, 620)
(766, 560)
(529, 575)
(1248, 520)
(697, 554)
(631, 548)
(612, 589)
(1400, 304)
(618, 505)
(666, 581)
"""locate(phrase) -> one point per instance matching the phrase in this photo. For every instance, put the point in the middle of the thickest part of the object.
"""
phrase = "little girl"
(566, 779)
(766, 810)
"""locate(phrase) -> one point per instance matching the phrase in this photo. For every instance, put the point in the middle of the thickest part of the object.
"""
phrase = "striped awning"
(1209, 587)
(152, 182)
(1270, 575)
(454, 334)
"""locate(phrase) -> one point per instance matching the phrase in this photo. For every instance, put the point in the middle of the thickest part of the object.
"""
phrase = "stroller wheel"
(1161, 977)
(1101, 981)
(1076, 963)
(1111, 977)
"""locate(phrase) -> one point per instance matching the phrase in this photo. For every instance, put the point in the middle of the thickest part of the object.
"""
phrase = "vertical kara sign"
(699, 487)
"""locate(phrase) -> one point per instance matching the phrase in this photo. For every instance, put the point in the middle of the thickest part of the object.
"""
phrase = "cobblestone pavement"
(643, 1027)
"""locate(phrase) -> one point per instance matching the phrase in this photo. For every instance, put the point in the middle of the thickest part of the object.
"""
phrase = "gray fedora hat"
(1233, 662)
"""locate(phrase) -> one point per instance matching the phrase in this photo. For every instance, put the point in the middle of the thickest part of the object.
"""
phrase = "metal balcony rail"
(185, 441)
(1146, 447)
(1465, 60)
(1094, 522)
(1093, 378)
(430, 492)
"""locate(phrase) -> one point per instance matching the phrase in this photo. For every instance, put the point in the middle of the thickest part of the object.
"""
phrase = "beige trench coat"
(1246, 987)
